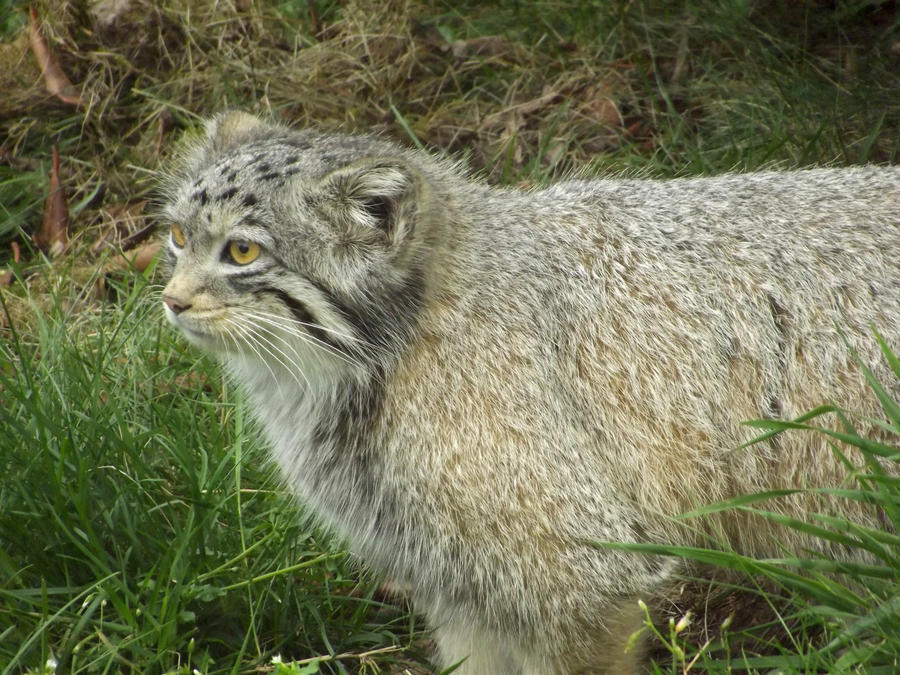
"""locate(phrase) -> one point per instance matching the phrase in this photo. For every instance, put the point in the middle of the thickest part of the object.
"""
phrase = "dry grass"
(525, 91)
(638, 88)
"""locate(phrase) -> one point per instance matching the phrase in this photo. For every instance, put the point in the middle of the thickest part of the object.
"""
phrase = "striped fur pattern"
(469, 383)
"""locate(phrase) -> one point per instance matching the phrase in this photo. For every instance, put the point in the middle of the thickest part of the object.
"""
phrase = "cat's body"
(471, 384)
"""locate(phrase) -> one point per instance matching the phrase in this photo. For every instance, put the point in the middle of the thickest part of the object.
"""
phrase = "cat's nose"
(176, 305)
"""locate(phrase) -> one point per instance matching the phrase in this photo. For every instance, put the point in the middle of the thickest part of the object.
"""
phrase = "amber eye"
(243, 252)
(178, 237)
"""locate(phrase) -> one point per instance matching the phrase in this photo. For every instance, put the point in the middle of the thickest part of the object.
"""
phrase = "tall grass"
(830, 616)
(139, 531)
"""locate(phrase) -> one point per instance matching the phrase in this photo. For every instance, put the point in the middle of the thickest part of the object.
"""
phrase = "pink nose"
(176, 305)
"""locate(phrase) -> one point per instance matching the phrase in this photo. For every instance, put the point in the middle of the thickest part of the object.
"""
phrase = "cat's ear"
(377, 194)
(230, 129)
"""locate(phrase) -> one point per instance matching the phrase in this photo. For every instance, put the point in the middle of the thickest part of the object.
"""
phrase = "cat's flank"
(470, 384)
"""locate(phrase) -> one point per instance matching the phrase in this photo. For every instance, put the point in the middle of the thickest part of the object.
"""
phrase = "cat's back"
(801, 241)
(653, 316)
(790, 210)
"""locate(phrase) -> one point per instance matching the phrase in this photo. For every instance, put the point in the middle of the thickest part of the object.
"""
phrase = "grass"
(138, 532)
(141, 529)
(825, 616)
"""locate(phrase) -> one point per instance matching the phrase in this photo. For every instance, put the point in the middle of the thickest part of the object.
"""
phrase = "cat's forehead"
(241, 182)
(261, 167)
(260, 178)
(254, 171)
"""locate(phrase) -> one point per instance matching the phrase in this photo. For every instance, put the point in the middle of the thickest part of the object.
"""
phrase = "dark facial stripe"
(303, 315)
(170, 258)
(397, 307)
(361, 326)
(377, 323)
(239, 273)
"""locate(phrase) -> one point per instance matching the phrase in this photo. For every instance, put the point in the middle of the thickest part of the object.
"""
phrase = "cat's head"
(289, 245)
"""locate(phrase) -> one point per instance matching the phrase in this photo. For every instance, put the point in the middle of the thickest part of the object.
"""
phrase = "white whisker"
(285, 325)
(286, 343)
(337, 333)
(252, 343)
(261, 338)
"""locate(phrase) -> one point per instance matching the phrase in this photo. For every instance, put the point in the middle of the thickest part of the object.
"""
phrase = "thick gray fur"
(469, 384)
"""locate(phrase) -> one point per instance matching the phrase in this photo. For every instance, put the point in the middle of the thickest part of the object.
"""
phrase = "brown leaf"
(124, 226)
(546, 99)
(600, 105)
(166, 122)
(6, 276)
(510, 135)
(555, 151)
(314, 18)
(55, 79)
(521, 110)
(138, 258)
(144, 255)
(134, 239)
(54, 234)
(100, 288)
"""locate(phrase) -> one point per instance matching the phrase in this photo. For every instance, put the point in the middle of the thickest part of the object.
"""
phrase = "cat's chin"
(205, 340)
(208, 342)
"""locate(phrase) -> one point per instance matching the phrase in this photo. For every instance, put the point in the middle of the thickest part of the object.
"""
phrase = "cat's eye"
(178, 237)
(243, 252)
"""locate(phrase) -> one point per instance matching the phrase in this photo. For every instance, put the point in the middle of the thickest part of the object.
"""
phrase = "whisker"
(340, 334)
(288, 325)
(263, 341)
(285, 325)
(298, 357)
(252, 343)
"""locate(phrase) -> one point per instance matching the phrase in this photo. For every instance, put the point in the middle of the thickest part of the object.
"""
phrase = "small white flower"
(683, 623)
(727, 622)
